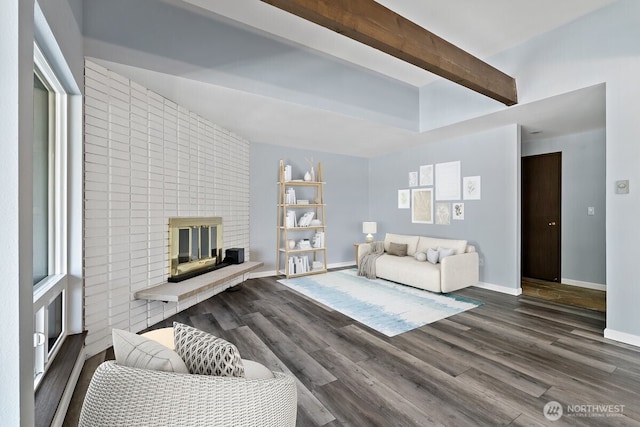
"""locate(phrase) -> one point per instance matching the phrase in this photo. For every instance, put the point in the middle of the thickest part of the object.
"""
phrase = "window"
(42, 96)
(50, 115)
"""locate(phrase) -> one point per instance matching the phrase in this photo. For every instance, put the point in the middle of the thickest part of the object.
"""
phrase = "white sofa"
(454, 272)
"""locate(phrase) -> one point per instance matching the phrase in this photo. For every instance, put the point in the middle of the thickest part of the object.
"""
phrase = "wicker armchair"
(123, 396)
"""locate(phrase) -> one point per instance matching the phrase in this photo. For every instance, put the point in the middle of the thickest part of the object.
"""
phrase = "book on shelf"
(290, 197)
(318, 240)
(299, 264)
(291, 219)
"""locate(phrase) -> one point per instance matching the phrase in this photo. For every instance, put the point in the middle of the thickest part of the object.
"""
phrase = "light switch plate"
(622, 187)
(591, 211)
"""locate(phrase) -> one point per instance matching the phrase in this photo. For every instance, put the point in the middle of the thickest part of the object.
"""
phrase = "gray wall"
(346, 199)
(583, 185)
(491, 224)
(575, 56)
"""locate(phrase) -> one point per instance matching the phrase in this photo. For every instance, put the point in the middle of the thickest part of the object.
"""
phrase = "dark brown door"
(541, 199)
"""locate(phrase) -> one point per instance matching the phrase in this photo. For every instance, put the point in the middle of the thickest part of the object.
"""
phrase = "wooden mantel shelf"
(178, 291)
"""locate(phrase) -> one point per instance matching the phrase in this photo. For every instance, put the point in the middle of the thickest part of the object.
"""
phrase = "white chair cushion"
(252, 370)
(163, 336)
(256, 371)
(137, 351)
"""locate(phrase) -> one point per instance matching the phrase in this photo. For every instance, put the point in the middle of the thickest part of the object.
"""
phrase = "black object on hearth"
(234, 255)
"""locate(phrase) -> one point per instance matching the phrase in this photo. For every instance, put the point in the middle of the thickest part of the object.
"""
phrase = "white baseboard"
(342, 264)
(499, 288)
(581, 284)
(63, 406)
(622, 337)
(255, 275)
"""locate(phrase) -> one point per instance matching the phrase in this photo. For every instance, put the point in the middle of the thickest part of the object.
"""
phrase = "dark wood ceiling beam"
(373, 24)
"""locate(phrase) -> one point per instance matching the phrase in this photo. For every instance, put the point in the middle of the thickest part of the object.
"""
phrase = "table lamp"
(370, 228)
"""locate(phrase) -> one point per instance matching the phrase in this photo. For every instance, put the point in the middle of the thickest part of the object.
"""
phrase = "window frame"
(57, 281)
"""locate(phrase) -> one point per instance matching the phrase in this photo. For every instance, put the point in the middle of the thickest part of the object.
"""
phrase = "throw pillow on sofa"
(445, 252)
(432, 255)
(435, 256)
(397, 249)
(421, 256)
(137, 351)
(206, 354)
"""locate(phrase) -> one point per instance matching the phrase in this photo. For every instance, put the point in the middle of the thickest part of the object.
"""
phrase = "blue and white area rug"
(387, 307)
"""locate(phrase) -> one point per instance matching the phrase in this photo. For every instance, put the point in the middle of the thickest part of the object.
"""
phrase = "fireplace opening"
(195, 247)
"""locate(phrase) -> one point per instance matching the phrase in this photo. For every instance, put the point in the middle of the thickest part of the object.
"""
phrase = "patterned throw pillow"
(206, 354)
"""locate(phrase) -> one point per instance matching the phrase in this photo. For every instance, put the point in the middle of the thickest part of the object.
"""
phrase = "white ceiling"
(482, 28)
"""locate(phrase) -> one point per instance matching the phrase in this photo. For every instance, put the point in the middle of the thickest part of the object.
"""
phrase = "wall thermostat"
(622, 187)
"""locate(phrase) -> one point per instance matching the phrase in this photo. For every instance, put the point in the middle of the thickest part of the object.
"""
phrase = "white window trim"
(56, 283)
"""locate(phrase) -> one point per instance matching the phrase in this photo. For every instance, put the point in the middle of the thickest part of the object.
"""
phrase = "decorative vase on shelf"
(313, 174)
(307, 176)
(292, 244)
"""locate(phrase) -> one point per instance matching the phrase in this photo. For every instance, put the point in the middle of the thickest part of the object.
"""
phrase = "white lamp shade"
(369, 227)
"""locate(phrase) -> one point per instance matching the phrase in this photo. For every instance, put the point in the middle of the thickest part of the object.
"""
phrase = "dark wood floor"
(498, 364)
(565, 294)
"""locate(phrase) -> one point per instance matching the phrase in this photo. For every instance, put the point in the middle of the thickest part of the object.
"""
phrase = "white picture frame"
(413, 179)
(458, 211)
(404, 199)
(422, 205)
(471, 188)
(426, 175)
(443, 213)
(448, 181)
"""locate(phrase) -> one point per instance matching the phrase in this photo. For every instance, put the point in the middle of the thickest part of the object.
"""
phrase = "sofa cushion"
(424, 243)
(206, 354)
(411, 242)
(397, 249)
(407, 271)
(137, 351)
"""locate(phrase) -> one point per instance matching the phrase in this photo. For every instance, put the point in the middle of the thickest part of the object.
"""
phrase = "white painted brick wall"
(147, 159)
